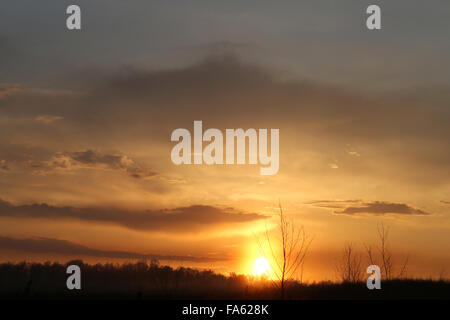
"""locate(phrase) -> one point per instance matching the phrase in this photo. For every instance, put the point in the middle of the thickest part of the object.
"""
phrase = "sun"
(261, 266)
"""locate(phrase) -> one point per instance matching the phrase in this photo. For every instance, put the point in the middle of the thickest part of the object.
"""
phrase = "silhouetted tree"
(349, 268)
(385, 256)
(288, 252)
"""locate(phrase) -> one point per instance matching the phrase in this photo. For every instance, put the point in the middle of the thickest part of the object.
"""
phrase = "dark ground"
(151, 281)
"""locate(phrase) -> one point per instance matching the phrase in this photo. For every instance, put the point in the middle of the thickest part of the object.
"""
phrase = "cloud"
(445, 202)
(46, 119)
(4, 166)
(353, 207)
(382, 208)
(177, 219)
(64, 247)
(90, 159)
(354, 153)
(331, 204)
(136, 109)
(7, 90)
(129, 100)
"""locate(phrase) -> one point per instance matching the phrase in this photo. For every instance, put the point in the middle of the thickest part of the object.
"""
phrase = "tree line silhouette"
(150, 280)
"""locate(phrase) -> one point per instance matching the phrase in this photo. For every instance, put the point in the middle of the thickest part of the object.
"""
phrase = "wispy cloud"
(7, 90)
(46, 119)
(331, 204)
(354, 207)
(382, 208)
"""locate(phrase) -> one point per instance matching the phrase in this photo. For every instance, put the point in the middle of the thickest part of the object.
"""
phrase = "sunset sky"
(86, 118)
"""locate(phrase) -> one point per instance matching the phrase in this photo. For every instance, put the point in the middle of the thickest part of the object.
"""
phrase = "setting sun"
(261, 266)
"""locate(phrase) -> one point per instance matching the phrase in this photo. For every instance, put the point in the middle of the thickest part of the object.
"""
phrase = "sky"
(86, 118)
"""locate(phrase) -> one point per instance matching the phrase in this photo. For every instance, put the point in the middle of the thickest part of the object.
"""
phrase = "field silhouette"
(150, 280)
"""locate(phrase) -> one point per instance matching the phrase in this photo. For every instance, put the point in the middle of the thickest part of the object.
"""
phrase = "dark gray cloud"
(64, 247)
(183, 219)
(382, 208)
